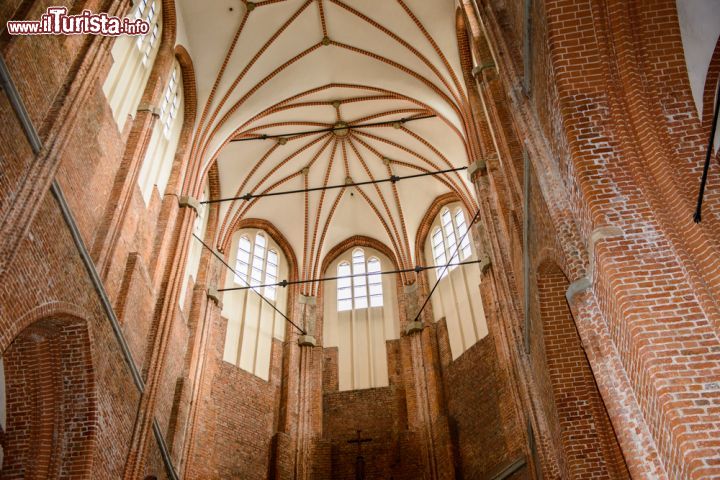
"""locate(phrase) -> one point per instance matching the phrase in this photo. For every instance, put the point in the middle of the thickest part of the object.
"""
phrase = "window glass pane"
(241, 273)
(255, 276)
(361, 302)
(270, 271)
(373, 265)
(360, 292)
(242, 262)
(438, 247)
(376, 301)
(344, 305)
(463, 233)
(451, 240)
(270, 292)
(343, 269)
(358, 265)
(375, 283)
(343, 283)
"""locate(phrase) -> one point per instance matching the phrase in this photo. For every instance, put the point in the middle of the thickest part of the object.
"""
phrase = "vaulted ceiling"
(278, 67)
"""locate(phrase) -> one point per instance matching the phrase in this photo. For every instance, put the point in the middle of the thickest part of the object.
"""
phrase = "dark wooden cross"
(359, 460)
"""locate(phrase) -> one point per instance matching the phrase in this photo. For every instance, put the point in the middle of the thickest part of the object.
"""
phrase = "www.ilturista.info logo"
(56, 21)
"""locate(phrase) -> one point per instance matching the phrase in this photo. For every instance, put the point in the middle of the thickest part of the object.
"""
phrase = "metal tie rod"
(392, 179)
(285, 283)
(334, 128)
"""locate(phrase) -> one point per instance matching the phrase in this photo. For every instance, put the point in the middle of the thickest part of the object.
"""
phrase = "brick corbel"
(189, 201)
(478, 166)
(146, 107)
(214, 295)
(585, 282)
(478, 70)
(307, 300)
(307, 339)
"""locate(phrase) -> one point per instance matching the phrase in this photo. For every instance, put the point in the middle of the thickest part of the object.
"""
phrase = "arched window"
(195, 249)
(252, 322)
(156, 167)
(360, 316)
(457, 299)
(359, 285)
(133, 58)
(265, 262)
(445, 237)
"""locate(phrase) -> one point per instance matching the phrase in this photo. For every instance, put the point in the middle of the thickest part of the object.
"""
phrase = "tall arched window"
(133, 58)
(457, 299)
(263, 270)
(360, 316)
(445, 237)
(359, 285)
(252, 323)
(156, 167)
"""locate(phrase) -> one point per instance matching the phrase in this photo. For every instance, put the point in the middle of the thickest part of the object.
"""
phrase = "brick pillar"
(205, 312)
(499, 304)
(638, 445)
(180, 223)
(300, 424)
(426, 408)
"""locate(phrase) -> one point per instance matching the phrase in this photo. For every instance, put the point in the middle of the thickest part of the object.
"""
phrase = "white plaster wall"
(360, 335)
(700, 28)
(252, 323)
(457, 298)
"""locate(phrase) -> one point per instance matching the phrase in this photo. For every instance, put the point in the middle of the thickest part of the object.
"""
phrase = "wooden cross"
(359, 460)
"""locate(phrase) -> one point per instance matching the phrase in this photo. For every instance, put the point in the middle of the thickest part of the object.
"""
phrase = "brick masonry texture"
(620, 380)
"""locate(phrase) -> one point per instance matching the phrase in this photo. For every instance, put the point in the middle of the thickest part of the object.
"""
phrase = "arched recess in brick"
(588, 441)
(51, 401)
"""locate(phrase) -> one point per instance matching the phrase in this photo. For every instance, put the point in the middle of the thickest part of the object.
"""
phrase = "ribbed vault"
(278, 67)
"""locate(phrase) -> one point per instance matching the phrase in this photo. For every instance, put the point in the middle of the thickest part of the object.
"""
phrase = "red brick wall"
(51, 410)
(237, 419)
(47, 280)
(381, 414)
(481, 418)
(588, 441)
(610, 104)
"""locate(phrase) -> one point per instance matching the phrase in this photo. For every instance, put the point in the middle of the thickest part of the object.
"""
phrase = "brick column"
(638, 445)
(300, 424)
(180, 223)
(426, 408)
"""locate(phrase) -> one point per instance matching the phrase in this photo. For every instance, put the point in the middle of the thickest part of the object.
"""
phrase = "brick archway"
(589, 445)
(51, 402)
